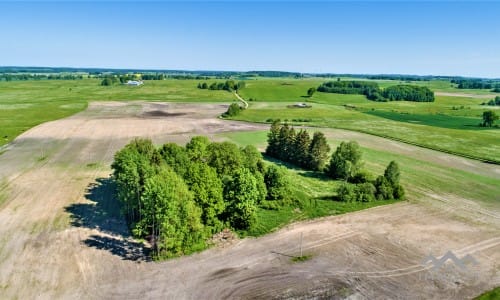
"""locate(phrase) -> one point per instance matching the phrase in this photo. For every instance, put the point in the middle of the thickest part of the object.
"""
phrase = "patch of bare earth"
(60, 236)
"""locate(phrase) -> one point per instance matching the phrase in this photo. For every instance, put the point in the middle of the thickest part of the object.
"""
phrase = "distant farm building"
(299, 105)
(134, 82)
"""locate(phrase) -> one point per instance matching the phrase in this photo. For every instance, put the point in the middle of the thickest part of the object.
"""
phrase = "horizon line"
(245, 71)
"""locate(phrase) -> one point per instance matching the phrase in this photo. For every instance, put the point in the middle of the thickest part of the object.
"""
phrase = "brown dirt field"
(60, 239)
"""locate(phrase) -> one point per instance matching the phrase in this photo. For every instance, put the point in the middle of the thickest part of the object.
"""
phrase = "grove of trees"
(345, 164)
(372, 91)
(489, 118)
(233, 110)
(177, 197)
(228, 85)
(285, 144)
(476, 84)
(348, 87)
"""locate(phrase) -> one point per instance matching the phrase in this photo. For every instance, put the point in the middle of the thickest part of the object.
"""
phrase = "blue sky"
(437, 38)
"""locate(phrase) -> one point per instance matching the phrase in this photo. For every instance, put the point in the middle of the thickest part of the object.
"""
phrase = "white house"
(134, 82)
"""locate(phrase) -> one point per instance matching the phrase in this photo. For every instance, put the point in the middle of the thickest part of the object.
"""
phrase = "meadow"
(450, 124)
(419, 177)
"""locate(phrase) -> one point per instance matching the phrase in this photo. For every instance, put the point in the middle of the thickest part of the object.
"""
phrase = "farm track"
(373, 254)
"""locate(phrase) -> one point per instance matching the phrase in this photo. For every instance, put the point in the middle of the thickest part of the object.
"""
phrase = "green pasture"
(449, 124)
(417, 176)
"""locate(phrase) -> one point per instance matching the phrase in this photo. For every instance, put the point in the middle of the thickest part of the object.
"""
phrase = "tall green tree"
(318, 152)
(176, 157)
(242, 195)
(252, 159)
(197, 148)
(207, 190)
(277, 183)
(225, 157)
(489, 118)
(170, 215)
(286, 142)
(392, 174)
(384, 190)
(311, 91)
(132, 165)
(345, 162)
(300, 148)
(273, 139)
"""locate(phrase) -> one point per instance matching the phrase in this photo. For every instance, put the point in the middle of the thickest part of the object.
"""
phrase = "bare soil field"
(60, 236)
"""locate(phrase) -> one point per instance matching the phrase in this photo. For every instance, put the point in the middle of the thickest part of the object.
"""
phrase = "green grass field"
(418, 177)
(449, 124)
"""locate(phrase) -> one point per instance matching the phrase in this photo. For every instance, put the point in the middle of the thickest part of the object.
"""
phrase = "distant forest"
(493, 85)
(35, 72)
(373, 92)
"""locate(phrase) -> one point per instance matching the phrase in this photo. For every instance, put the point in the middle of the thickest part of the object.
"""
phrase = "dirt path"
(480, 96)
(241, 99)
(61, 238)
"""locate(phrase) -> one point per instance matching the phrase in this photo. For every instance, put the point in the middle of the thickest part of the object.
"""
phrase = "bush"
(346, 192)
(277, 183)
(233, 110)
(384, 189)
(365, 192)
(345, 162)
(362, 177)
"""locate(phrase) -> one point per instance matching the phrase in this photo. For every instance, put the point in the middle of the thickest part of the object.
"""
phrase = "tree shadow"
(124, 248)
(316, 175)
(102, 213)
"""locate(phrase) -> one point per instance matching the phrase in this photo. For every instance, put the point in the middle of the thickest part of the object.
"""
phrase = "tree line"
(228, 85)
(20, 77)
(348, 87)
(286, 144)
(298, 148)
(408, 93)
(179, 196)
(373, 92)
(477, 84)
